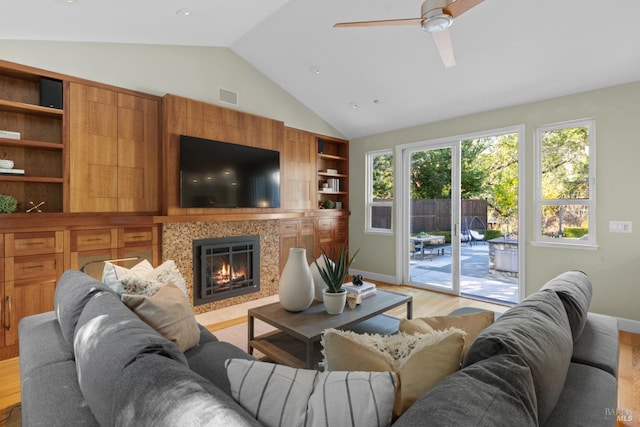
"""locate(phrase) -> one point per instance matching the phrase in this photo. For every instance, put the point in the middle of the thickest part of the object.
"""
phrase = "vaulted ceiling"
(370, 80)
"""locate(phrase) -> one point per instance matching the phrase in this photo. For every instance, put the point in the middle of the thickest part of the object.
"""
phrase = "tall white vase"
(296, 283)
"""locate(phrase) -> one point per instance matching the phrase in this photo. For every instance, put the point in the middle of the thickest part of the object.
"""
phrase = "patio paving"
(475, 279)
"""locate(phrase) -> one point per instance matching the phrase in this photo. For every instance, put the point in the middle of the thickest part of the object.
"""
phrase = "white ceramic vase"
(296, 289)
(334, 302)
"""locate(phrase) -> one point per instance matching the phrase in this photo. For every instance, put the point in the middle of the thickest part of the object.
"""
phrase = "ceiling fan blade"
(443, 42)
(459, 7)
(409, 21)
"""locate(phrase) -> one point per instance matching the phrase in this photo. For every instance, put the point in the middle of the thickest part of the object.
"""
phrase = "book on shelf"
(4, 171)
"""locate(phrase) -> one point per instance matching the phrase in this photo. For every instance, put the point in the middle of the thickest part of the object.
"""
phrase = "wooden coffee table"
(297, 339)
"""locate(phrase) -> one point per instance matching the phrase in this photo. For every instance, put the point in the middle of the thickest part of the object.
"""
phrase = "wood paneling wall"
(183, 116)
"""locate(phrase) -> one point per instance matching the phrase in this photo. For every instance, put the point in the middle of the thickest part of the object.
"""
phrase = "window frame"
(369, 202)
(590, 243)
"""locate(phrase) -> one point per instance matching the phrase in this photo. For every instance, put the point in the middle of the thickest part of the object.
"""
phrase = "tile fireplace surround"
(177, 244)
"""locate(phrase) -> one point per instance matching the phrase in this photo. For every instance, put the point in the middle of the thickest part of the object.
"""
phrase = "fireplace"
(225, 267)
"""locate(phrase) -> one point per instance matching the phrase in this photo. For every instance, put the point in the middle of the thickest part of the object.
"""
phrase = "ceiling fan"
(436, 18)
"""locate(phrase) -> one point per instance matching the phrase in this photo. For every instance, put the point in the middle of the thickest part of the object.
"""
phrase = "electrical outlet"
(620, 227)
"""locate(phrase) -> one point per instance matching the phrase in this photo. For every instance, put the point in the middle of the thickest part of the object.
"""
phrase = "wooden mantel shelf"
(248, 216)
(226, 217)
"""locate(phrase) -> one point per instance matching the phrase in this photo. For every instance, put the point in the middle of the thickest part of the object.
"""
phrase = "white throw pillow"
(278, 395)
(112, 274)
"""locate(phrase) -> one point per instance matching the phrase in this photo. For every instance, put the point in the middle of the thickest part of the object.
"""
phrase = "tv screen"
(215, 174)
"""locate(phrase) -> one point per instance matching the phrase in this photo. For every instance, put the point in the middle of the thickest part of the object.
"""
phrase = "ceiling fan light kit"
(434, 18)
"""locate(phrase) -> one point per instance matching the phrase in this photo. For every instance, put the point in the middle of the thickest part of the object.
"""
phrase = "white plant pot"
(296, 289)
(334, 302)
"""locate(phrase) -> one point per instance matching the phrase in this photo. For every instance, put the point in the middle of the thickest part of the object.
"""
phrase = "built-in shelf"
(21, 107)
(333, 154)
(31, 144)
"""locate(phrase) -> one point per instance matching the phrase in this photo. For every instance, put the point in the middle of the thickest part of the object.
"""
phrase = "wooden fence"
(433, 214)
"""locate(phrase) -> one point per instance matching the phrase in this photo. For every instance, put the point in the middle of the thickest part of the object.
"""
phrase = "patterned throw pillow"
(420, 361)
(143, 279)
(278, 395)
(113, 274)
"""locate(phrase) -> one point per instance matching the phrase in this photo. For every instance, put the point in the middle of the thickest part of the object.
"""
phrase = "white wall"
(615, 267)
(192, 72)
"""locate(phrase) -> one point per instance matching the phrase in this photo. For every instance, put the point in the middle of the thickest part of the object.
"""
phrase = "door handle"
(7, 311)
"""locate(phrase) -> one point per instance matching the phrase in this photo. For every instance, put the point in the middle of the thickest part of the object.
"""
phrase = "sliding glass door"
(460, 221)
(432, 203)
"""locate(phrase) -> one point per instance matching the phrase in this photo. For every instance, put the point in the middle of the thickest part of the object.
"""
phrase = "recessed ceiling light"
(354, 105)
(184, 12)
(315, 69)
(68, 2)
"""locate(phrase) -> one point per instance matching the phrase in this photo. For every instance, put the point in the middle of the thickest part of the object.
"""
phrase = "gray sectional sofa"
(546, 361)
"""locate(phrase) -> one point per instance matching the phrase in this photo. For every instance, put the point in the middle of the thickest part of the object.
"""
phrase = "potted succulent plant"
(8, 204)
(333, 274)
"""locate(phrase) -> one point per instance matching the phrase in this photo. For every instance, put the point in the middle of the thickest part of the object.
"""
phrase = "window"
(379, 191)
(565, 192)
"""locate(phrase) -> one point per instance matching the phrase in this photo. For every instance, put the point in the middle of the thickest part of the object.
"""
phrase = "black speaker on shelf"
(320, 146)
(50, 93)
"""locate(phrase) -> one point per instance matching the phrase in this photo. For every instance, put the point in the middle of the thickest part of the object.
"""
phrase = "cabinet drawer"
(325, 223)
(307, 226)
(32, 267)
(136, 236)
(288, 227)
(87, 240)
(45, 242)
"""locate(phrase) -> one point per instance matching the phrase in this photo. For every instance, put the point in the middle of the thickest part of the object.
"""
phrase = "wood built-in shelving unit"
(333, 154)
(40, 151)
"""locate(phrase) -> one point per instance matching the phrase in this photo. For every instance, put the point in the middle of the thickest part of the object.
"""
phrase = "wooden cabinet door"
(298, 174)
(24, 298)
(93, 148)
(114, 150)
(307, 238)
(138, 154)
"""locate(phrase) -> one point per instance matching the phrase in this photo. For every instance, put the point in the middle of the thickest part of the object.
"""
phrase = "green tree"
(500, 159)
(431, 172)
(383, 177)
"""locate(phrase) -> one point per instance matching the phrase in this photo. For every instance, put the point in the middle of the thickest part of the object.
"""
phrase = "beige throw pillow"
(472, 324)
(169, 313)
(420, 361)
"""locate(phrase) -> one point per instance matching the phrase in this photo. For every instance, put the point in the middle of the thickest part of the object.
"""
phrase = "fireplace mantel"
(225, 217)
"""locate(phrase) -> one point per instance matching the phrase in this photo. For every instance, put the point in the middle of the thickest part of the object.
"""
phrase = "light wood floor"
(425, 303)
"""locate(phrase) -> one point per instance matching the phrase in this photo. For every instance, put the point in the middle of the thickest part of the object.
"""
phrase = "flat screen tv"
(215, 174)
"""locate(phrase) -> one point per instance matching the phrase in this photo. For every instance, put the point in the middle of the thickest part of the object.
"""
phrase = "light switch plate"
(620, 227)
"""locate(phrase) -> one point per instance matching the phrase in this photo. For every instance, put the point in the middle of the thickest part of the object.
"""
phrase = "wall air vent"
(228, 96)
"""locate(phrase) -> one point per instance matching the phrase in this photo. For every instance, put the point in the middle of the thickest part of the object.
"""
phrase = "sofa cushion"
(73, 290)
(589, 398)
(41, 342)
(158, 392)
(497, 391)
(208, 360)
(420, 361)
(278, 395)
(169, 313)
(472, 324)
(538, 331)
(108, 338)
(51, 397)
(598, 344)
(574, 290)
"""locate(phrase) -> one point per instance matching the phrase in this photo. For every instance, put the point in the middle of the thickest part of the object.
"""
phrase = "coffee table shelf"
(297, 340)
